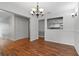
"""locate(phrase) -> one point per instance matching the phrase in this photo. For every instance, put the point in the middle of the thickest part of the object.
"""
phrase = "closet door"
(4, 25)
(21, 27)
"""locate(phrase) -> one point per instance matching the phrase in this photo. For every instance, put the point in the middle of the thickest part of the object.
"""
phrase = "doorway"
(41, 29)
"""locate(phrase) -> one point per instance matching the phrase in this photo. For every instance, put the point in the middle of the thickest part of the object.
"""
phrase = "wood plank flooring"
(4, 43)
(38, 47)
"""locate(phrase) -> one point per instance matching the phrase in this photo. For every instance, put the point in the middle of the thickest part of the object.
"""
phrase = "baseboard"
(76, 50)
(24, 38)
(32, 39)
(21, 39)
(62, 43)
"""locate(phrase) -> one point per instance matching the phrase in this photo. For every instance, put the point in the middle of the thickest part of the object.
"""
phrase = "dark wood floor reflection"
(39, 47)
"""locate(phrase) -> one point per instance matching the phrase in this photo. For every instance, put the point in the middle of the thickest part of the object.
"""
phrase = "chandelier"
(37, 11)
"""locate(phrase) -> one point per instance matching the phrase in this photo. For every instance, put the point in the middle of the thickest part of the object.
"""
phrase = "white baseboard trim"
(76, 50)
(62, 42)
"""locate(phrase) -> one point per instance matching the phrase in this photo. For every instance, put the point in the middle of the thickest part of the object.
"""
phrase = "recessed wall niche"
(55, 23)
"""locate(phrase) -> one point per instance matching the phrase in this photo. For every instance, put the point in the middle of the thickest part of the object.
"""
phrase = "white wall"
(76, 34)
(21, 27)
(65, 36)
(33, 28)
(76, 38)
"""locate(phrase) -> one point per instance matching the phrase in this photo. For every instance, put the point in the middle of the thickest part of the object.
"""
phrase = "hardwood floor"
(4, 43)
(38, 47)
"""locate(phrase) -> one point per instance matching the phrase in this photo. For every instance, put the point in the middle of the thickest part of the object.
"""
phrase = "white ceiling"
(24, 8)
(52, 7)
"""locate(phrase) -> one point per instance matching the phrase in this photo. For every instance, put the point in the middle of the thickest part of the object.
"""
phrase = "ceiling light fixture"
(37, 11)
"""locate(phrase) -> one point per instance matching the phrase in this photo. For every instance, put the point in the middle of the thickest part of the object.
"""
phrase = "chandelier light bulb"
(33, 9)
(72, 13)
(41, 9)
(31, 12)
